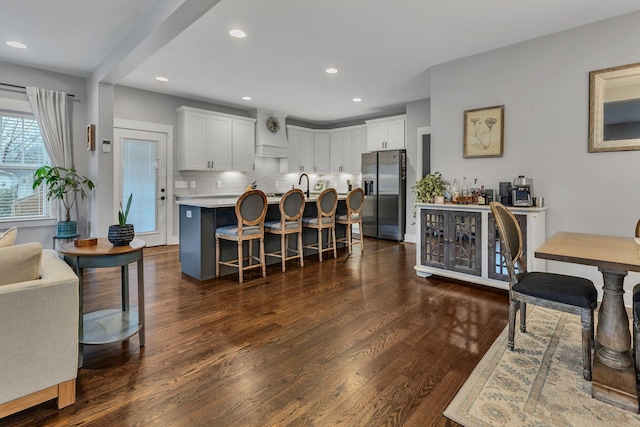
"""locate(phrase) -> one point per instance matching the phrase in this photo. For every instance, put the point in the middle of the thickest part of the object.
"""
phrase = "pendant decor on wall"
(273, 124)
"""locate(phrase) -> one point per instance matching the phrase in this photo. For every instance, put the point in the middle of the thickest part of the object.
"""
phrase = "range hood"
(268, 143)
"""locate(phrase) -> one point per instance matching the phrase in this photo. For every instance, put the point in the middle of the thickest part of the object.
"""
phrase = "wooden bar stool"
(290, 222)
(326, 204)
(251, 208)
(353, 216)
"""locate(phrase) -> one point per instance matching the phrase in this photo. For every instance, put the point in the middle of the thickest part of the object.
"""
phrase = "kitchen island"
(200, 216)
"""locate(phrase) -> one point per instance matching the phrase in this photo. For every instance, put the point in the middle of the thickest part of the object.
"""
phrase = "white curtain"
(51, 112)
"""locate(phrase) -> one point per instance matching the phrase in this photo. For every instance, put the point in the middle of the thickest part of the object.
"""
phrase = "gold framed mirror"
(614, 109)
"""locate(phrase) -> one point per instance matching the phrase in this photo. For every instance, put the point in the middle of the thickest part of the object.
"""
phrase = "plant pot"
(120, 235)
(67, 229)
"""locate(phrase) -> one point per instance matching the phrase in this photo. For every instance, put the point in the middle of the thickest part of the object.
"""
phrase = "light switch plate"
(193, 184)
(218, 184)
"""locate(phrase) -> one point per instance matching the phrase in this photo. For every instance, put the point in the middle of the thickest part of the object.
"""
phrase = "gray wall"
(43, 231)
(543, 84)
(418, 115)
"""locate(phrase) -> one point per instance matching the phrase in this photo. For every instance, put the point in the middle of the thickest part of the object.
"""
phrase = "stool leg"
(240, 262)
(262, 258)
(217, 257)
(333, 235)
(283, 249)
(349, 243)
(300, 249)
(320, 243)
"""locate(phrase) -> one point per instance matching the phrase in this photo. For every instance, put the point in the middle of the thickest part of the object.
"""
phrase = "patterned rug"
(539, 384)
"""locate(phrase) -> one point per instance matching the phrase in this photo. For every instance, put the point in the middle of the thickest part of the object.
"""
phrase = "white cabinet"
(244, 137)
(300, 149)
(461, 242)
(321, 152)
(309, 150)
(386, 134)
(347, 146)
(359, 140)
(214, 141)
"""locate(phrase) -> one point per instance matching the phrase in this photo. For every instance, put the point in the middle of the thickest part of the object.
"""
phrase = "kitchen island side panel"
(197, 241)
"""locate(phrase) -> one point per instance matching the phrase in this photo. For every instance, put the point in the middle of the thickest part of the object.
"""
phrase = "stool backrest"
(292, 205)
(251, 208)
(354, 200)
(327, 203)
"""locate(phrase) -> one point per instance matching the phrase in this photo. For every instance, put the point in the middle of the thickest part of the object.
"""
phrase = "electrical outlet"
(188, 214)
(181, 184)
(218, 184)
(193, 184)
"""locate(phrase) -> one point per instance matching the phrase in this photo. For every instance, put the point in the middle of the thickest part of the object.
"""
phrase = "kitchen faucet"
(300, 182)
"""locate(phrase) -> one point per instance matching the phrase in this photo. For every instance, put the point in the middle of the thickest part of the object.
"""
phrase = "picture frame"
(91, 137)
(484, 132)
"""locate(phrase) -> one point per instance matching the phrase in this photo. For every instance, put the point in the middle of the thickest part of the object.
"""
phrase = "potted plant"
(429, 187)
(121, 234)
(63, 184)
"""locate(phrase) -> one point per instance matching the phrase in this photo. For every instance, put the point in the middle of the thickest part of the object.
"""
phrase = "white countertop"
(230, 201)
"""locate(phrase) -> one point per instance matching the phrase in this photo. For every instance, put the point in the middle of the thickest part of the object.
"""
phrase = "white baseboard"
(411, 238)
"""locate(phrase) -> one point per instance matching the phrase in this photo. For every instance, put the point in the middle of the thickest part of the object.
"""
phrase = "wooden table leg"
(141, 320)
(614, 374)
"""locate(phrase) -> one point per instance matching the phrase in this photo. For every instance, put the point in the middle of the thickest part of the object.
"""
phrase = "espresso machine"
(522, 191)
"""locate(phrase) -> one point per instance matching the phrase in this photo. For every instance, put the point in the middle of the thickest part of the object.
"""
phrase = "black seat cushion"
(570, 290)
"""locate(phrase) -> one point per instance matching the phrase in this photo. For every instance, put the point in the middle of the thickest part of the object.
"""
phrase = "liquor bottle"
(454, 191)
(465, 187)
(482, 196)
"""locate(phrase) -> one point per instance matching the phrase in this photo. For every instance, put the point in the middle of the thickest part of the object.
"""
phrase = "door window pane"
(139, 169)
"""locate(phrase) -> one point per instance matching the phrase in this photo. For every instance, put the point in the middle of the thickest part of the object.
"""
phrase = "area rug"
(538, 384)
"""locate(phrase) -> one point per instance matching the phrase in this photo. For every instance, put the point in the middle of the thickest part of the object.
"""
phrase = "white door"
(140, 156)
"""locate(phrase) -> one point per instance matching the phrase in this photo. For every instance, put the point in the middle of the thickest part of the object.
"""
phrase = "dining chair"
(561, 292)
(251, 209)
(326, 205)
(355, 198)
(636, 326)
(290, 222)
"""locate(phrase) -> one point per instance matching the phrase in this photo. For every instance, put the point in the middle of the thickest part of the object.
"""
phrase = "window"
(22, 151)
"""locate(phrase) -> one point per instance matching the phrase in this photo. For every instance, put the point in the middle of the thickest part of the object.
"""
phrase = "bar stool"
(290, 222)
(326, 204)
(353, 216)
(251, 208)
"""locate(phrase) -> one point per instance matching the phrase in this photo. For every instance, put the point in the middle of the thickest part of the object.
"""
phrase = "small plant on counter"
(429, 187)
(121, 234)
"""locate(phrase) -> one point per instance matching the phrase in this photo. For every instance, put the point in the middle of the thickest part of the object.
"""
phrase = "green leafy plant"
(427, 188)
(122, 216)
(63, 184)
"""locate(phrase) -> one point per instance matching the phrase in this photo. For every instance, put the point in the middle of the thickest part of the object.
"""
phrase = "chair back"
(251, 209)
(511, 239)
(327, 203)
(354, 201)
(292, 205)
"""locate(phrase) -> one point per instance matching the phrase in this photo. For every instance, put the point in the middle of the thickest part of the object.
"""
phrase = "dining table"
(614, 370)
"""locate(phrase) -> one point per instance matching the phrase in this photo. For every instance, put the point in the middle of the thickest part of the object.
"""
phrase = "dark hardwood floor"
(357, 341)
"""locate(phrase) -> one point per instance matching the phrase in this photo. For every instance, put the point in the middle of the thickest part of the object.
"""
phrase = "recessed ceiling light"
(331, 70)
(16, 44)
(239, 34)
(357, 99)
(162, 79)
(246, 98)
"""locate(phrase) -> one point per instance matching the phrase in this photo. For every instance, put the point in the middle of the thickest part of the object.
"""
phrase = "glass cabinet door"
(465, 255)
(433, 238)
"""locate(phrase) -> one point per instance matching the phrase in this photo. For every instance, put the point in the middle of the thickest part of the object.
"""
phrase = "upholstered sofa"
(38, 328)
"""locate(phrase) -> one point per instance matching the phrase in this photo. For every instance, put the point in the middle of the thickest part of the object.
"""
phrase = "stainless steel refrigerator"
(384, 178)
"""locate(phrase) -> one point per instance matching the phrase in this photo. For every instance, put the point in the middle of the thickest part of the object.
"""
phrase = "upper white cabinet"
(359, 140)
(386, 134)
(309, 150)
(347, 146)
(321, 151)
(214, 141)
